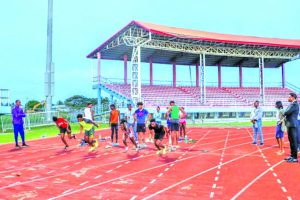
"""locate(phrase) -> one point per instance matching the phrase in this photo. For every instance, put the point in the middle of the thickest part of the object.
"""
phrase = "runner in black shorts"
(159, 131)
(64, 127)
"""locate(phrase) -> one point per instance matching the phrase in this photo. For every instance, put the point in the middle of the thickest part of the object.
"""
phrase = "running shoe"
(18, 147)
(164, 150)
(159, 152)
(25, 145)
(96, 144)
(126, 149)
(66, 146)
(74, 136)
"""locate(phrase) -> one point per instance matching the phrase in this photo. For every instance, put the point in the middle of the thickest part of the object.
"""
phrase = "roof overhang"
(166, 45)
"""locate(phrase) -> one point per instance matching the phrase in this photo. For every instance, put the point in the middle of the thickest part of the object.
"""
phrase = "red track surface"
(222, 164)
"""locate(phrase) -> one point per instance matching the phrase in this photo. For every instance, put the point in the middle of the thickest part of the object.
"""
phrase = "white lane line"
(159, 175)
(152, 181)
(214, 185)
(119, 166)
(34, 177)
(211, 195)
(134, 197)
(52, 156)
(50, 172)
(77, 163)
(65, 167)
(216, 178)
(40, 159)
(127, 162)
(83, 183)
(167, 169)
(254, 180)
(69, 190)
(289, 198)
(278, 181)
(109, 171)
(96, 177)
(196, 175)
(218, 172)
(283, 189)
(143, 189)
(274, 174)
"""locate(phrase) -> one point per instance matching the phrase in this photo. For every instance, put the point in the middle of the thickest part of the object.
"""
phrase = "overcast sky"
(81, 26)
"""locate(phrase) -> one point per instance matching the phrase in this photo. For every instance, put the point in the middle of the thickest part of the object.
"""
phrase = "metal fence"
(31, 120)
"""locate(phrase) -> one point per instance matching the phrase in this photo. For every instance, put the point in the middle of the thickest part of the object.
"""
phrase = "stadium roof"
(166, 45)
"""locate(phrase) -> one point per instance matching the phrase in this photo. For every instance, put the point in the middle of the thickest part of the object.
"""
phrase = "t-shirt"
(129, 115)
(114, 116)
(141, 115)
(88, 113)
(157, 116)
(61, 122)
(175, 112)
(86, 124)
(158, 129)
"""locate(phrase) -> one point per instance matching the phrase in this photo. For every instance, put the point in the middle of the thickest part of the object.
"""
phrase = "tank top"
(175, 113)
(114, 116)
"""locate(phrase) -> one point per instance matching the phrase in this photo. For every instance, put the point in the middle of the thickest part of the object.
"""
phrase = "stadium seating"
(215, 97)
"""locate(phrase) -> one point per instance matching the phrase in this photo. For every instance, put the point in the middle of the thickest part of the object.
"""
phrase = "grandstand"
(4, 101)
(152, 43)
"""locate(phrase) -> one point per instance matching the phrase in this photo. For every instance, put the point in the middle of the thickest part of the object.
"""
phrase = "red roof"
(217, 37)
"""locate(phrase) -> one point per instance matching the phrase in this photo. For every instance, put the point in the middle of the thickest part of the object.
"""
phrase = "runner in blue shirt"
(141, 116)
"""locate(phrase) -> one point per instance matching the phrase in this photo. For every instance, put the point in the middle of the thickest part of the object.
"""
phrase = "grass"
(51, 131)
(39, 132)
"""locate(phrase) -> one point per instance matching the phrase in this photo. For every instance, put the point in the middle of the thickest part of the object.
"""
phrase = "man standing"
(141, 116)
(18, 123)
(129, 117)
(256, 119)
(114, 123)
(174, 110)
(291, 114)
(88, 112)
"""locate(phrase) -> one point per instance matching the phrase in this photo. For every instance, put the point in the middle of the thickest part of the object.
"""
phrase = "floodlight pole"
(202, 79)
(49, 75)
(136, 84)
(261, 65)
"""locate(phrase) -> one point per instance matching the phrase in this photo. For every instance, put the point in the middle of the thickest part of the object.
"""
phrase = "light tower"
(49, 74)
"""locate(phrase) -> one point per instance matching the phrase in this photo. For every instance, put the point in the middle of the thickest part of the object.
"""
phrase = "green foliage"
(78, 102)
(31, 103)
(60, 103)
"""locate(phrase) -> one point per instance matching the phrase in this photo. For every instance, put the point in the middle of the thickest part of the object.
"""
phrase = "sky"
(81, 26)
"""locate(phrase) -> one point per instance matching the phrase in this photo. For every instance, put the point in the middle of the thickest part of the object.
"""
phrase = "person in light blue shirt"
(157, 115)
(256, 119)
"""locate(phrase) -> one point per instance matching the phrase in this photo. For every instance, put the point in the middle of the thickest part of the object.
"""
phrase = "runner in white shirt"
(130, 119)
(88, 112)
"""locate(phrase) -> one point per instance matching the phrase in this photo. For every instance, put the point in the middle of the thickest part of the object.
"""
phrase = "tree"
(78, 102)
(34, 104)
(60, 103)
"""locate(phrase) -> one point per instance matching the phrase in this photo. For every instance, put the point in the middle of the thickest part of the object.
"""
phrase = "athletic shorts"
(89, 133)
(159, 136)
(182, 121)
(141, 128)
(279, 132)
(174, 126)
(64, 130)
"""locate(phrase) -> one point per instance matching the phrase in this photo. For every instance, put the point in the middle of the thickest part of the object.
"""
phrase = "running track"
(222, 164)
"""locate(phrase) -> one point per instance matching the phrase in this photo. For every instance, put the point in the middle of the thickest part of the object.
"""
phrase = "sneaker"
(292, 160)
(18, 147)
(253, 142)
(92, 149)
(126, 149)
(74, 136)
(288, 158)
(261, 144)
(144, 146)
(96, 144)
(164, 151)
(137, 149)
(66, 146)
(25, 145)
(158, 152)
(173, 148)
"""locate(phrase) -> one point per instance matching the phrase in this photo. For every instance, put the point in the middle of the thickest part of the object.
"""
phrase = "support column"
(174, 74)
(283, 75)
(99, 100)
(241, 75)
(136, 84)
(197, 75)
(99, 67)
(202, 79)
(125, 69)
(151, 71)
(261, 79)
(219, 76)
